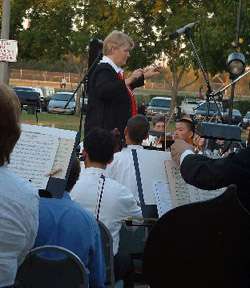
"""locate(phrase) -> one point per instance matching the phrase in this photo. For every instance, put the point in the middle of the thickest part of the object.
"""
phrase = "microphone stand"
(84, 81)
(209, 93)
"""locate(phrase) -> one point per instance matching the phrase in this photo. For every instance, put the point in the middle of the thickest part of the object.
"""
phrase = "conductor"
(111, 101)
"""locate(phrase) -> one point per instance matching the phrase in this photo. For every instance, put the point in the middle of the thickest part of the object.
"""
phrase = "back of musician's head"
(137, 129)
(9, 122)
(99, 144)
(74, 173)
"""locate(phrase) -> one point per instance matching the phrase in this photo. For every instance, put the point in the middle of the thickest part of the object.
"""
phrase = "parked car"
(188, 106)
(28, 97)
(246, 120)
(23, 89)
(201, 109)
(158, 105)
(236, 116)
(58, 102)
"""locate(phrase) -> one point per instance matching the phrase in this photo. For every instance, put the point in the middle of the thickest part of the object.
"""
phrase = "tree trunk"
(78, 101)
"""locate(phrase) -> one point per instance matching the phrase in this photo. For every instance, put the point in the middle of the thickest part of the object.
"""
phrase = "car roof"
(65, 92)
(161, 98)
(29, 87)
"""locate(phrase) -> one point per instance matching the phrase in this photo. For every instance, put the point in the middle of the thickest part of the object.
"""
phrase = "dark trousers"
(124, 270)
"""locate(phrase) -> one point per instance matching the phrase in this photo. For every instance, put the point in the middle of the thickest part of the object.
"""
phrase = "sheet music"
(163, 198)
(62, 157)
(151, 164)
(40, 150)
(183, 193)
(33, 157)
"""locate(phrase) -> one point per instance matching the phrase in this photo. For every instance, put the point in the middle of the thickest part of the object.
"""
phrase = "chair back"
(107, 246)
(52, 267)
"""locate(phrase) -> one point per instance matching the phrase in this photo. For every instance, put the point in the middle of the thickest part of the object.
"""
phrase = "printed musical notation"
(40, 151)
(33, 157)
(62, 157)
(183, 193)
(163, 198)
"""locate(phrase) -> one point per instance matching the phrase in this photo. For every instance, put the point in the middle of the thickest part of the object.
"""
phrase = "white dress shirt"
(122, 169)
(117, 201)
(18, 223)
(107, 60)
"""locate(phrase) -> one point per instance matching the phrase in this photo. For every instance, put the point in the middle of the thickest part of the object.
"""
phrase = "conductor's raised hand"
(134, 76)
(151, 72)
(178, 148)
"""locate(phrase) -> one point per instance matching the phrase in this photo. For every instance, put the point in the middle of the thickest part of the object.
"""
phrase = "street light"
(236, 64)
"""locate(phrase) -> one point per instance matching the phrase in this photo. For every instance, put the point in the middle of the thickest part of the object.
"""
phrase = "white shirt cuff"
(184, 154)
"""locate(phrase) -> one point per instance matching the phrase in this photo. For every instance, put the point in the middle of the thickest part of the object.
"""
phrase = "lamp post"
(236, 64)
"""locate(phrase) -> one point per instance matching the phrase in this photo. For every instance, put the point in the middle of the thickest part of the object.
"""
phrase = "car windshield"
(165, 103)
(248, 115)
(235, 112)
(212, 107)
(63, 97)
(24, 89)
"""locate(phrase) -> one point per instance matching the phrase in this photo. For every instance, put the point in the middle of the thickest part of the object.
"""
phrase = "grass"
(68, 122)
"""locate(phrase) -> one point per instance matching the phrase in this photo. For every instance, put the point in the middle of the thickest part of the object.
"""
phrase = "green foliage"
(243, 106)
(59, 28)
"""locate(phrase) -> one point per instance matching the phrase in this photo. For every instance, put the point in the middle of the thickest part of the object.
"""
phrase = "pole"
(230, 110)
(237, 36)
(5, 32)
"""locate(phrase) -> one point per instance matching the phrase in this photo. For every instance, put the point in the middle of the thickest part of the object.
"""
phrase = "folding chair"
(52, 267)
(107, 245)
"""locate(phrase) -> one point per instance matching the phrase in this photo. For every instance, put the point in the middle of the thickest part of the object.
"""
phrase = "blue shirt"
(64, 223)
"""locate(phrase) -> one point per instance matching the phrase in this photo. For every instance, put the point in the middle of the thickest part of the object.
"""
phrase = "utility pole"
(237, 46)
(5, 33)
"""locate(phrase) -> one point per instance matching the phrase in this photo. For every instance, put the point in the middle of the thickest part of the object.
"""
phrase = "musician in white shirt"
(122, 167)
(107, 199)
(18, 199)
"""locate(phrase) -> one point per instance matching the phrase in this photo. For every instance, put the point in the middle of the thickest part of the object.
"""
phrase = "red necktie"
(131, 95)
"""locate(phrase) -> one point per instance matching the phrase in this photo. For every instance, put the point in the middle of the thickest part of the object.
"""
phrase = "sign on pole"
(8, 50)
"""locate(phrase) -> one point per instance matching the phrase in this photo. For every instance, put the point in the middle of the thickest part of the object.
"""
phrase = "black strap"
(138, 179)
(100, 193)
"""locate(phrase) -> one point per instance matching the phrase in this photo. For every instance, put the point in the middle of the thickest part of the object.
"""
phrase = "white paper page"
(33, 157)
(62, 157)
(151, 165)
(183, 193)
(162, 197)
(55, 132)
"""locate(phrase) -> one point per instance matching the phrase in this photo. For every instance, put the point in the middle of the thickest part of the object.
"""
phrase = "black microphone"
(182, 30)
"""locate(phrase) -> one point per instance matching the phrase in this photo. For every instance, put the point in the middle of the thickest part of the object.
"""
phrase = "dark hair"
(138, 127)
(189, 123)
(158, 118)
(100, 145)
(74, 173)
(9, 122)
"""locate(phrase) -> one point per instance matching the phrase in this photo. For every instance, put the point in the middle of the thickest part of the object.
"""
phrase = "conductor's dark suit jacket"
(109, 104)
(205, 244)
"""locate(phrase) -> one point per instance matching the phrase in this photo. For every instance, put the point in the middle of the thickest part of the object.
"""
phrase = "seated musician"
(184, 130)
(109, 200)
(83, 237)
(158, 126)
(122, 167)
(18, 199)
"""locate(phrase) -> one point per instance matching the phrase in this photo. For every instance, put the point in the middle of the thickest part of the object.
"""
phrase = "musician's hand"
(151, 71)
(178, 148)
